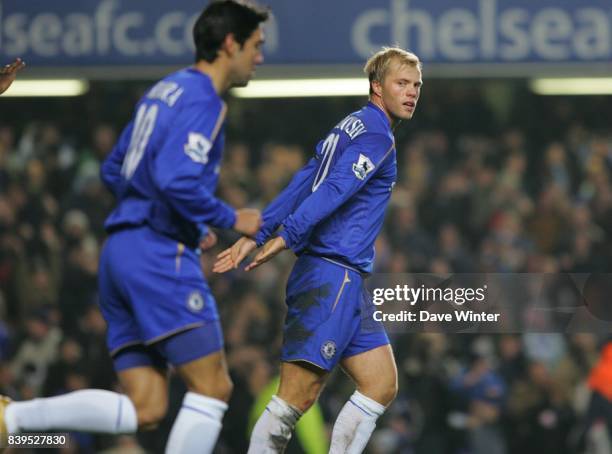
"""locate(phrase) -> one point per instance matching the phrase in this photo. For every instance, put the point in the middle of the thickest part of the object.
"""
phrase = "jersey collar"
(207, 81)
(380, 112)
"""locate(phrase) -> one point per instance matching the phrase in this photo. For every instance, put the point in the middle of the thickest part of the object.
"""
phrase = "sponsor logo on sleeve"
(362, 167)
(198, 147)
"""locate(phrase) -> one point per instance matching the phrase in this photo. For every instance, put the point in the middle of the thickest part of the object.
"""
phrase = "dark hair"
(221, 18)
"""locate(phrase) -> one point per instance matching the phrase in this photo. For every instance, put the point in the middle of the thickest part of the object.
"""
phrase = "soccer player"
(331, 213)
(9, 73)
(153, 294)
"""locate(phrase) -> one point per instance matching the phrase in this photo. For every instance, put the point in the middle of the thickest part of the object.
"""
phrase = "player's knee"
(386, 391)
(301, 397)
(389, 393)
(382, 391)
(226, 387)
(149, 419)
(305, 402)
(150, 416)
(218, 389)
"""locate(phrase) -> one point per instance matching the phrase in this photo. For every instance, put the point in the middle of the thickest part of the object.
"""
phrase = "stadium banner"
(158, 32)
(490, 303)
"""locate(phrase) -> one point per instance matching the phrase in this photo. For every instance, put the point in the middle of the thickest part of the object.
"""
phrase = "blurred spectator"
(37, 351)
(479, 392)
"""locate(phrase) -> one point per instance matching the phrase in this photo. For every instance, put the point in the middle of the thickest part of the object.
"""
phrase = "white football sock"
(272, 431)
(89, 410)
(197, 426)
(355, 424)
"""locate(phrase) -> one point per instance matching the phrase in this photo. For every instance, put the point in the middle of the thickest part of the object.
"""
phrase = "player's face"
(249, 56)
(400, 90)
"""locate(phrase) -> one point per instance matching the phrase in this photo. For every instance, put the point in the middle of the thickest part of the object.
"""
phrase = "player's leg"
(374, 373)
(300, 386)
(177, 316)
(301, 383)
(95, 410)
(142, 406)
(369, 362)
(88, 410)
(197, 356)
(146, 385)
(317, 328)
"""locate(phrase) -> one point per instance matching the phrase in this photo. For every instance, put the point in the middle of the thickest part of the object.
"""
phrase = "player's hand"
(208, 241)
(232, 256)
(248, 221)
(268, 250)
(9, 72)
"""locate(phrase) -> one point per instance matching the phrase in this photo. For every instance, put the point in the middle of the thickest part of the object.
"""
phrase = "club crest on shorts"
(362, 167)
(328, 349)
(195, 302)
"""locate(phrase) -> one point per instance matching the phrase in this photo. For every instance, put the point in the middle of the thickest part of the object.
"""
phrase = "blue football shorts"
(155, 300)
(329, 314)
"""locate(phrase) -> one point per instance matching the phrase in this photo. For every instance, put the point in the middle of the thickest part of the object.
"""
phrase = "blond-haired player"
(331, 213)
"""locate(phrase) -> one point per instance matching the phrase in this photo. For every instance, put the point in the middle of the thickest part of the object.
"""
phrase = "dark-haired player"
(153, 294)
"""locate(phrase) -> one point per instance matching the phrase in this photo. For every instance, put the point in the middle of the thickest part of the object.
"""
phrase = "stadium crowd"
(526, 190)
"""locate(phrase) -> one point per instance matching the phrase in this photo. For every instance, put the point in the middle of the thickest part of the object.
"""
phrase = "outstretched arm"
(9, 73)
(283, 204)
(287, 201)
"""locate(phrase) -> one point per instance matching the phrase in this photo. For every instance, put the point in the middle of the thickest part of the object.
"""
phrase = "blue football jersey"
(164, 168)
(334, 206)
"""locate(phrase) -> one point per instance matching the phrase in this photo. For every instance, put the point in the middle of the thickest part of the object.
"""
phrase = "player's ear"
(230, 45)
(377, 88)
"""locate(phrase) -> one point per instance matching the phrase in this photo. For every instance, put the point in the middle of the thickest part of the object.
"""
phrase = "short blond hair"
(378, 64)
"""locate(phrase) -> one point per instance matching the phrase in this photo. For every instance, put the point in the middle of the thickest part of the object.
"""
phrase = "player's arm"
(179, 167)
(346, 177)
(110, 171)
(287, 201)
(9, 73)
(357, 164)
(283, 204)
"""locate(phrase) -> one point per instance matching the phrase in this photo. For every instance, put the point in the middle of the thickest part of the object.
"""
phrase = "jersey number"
(143, 127)
(327, 152)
